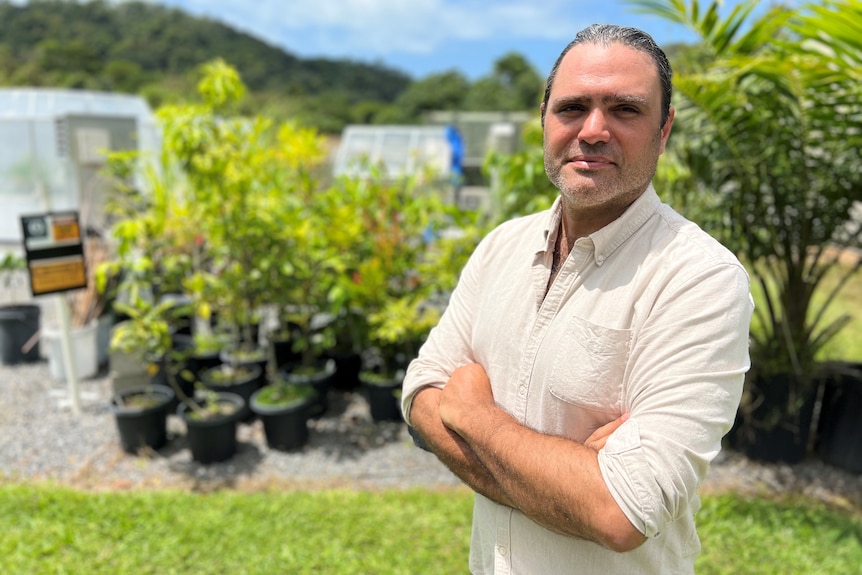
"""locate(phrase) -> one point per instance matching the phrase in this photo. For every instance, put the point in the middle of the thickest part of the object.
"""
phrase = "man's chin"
(584, 183)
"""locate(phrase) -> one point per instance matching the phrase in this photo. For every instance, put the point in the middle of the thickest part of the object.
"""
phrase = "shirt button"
(502, 551)
(522, 390)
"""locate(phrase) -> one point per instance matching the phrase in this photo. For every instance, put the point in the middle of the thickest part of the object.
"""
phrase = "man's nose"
(595, 128)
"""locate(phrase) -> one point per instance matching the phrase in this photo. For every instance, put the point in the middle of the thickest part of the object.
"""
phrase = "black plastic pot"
(347, 366)
(194, 362)
(18, 325)
(242, 383)
(840, 430)
(160, 376)
(281, 346)
(142, 427)
(213, 439)
(770, 432)
(285, 426)
(383, 395)
(259, 357)
(320, 380)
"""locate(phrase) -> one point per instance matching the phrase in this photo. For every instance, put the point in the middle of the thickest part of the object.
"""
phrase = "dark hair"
(607, 34)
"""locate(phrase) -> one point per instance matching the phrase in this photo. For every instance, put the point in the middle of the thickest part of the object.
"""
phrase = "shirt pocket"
(589, 368)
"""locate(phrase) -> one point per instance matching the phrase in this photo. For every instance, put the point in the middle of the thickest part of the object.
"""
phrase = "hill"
(138, 47)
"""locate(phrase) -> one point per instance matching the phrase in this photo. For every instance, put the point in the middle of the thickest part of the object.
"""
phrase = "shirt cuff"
(627, 473)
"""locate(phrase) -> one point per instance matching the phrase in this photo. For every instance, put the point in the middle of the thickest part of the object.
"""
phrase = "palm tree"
(770, 114)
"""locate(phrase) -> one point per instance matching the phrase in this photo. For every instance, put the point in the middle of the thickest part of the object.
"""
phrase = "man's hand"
(533, 472)
(596, 441)
(450, 448)
(468, 391)
(465, 395)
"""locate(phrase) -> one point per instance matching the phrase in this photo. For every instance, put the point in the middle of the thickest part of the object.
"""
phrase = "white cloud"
(385, 27)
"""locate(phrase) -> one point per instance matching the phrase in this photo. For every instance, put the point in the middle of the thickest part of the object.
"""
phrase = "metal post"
(68, 357)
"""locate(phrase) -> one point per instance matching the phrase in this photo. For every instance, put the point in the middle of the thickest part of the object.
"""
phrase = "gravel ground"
(41, 438)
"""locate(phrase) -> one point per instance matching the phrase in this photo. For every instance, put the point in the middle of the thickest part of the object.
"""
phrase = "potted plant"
(768, 162)
(210, 416)
(211, 425)
(396, 332)
(197, 353)
(144, 337)
(141, 416)
(240, 380)
(403, 267)
(205, 227)
(155, 250)
(312, 255)
(284, 409)
(231, 173)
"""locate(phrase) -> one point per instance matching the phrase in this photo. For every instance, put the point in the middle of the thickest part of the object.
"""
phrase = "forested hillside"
(155, 51)
(146, 48)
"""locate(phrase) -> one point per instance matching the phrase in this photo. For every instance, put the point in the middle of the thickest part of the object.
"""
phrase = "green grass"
(57, 530)
(48, 529)
(763, 537)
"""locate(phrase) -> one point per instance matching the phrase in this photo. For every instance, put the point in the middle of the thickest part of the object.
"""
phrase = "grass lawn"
(46, 529)
(762, 537)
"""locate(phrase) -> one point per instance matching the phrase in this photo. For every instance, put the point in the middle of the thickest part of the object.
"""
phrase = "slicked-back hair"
(607, 34)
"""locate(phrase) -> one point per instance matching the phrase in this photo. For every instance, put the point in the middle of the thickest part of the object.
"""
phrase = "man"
(592, 356)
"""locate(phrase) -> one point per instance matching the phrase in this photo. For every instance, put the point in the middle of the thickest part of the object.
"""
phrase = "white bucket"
(84, 351)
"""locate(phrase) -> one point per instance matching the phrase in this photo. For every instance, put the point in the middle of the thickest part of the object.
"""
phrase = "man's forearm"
(451, 449)
(554, 481)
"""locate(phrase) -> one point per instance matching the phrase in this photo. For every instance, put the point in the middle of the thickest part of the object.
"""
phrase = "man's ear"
(542, 112)
(665, 130)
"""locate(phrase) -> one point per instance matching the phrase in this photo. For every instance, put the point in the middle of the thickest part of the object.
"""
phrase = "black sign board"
(55, 252)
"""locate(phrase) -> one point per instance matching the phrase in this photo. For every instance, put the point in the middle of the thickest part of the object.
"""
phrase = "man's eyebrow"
(608, 99)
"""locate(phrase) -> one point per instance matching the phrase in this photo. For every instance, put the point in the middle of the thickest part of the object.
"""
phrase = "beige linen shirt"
(649, 316)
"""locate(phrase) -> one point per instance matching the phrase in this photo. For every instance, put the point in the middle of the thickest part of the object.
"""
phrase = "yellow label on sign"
(58, 274)
(66, 229)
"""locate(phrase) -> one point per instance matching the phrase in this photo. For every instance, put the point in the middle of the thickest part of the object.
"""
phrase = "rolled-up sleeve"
(687, 368)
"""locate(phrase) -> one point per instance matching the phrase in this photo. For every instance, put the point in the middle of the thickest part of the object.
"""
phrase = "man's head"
(632, 37)
(606, 118)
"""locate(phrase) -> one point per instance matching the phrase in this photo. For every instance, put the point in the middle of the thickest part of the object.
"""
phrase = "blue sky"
(421, 37)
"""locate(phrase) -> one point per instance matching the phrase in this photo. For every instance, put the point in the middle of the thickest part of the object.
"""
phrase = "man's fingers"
(600, 436)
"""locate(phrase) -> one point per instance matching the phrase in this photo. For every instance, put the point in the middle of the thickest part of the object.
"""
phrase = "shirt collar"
(613, 235)
(552, 227)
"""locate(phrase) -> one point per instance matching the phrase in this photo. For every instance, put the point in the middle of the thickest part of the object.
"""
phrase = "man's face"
(602, 127)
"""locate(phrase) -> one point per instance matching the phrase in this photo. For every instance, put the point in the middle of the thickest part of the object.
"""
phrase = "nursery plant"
(312, 249)
(223, 215)
(224, 161)
(284, 408)
(393, 282)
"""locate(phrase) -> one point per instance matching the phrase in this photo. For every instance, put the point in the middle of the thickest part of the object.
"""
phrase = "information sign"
(55, 252)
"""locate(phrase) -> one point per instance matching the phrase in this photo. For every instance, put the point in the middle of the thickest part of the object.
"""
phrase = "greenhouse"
(52, 149)
(399, 150)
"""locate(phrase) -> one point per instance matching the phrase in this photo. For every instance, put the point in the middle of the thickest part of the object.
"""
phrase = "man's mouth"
(591, 162)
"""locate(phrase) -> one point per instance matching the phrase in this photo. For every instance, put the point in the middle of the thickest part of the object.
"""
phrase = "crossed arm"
(554, 481)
